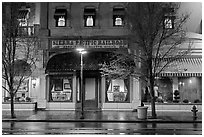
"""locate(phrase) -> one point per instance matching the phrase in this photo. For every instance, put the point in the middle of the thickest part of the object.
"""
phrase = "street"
(42, 128)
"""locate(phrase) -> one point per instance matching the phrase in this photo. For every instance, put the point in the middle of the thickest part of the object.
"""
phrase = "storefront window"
(163, 91)
(190, 89)
(61, 89)
(117, 90)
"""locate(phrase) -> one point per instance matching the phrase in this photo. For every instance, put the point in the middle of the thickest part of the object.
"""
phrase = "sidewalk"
(68, 115)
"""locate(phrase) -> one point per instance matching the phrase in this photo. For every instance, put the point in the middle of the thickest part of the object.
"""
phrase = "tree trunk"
(151, 83)
(12, 106)
(152, 98)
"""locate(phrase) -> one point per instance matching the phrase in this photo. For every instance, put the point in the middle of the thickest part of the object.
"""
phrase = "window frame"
(89, 12)
(170, 18)
(126, 84)
(169, 13)
(64, 89)
(59, 13)
(118, 12)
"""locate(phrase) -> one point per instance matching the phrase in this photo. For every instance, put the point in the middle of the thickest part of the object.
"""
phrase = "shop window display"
(190, 89)
(117, 90)
(61, 89)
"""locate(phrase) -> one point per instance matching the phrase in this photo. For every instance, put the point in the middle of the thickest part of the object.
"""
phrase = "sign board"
(89, 43)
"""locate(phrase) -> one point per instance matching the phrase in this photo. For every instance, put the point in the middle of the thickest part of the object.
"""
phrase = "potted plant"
(176, 96)
(142, 111)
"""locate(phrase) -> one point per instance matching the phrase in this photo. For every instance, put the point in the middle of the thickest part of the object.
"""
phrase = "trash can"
(142, 112)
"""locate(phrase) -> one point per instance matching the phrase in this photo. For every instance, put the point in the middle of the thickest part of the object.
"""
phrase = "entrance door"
(91, 93)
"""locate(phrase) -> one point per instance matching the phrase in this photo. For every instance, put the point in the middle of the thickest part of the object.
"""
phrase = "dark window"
(60, 17)
(89, 17)
(118, 16)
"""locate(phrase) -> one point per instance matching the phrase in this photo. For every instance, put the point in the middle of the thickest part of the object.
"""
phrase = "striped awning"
(185, 67)
(22, 14)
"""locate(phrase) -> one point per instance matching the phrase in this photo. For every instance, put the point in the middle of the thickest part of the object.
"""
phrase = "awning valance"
(119, 11)
(71, 61)
(60, 12)
(22, 14)
(185, 67)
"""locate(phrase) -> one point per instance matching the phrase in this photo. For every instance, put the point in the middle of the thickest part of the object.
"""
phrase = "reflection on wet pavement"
(40, 128)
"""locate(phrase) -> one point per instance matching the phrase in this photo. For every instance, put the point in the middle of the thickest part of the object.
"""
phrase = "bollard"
(194, 110)
(36, 106)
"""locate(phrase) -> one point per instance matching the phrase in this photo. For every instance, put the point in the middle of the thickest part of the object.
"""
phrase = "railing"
(28, 30)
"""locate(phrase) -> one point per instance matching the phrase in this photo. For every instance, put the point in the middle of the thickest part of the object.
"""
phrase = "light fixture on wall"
(34, 82)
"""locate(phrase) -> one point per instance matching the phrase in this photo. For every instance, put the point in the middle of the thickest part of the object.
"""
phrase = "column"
(42, 91)
(103, 90)
(136, 93)
(74, 90)
(175, 84)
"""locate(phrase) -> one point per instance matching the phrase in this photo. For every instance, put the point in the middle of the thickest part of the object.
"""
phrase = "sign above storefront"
(89, 43)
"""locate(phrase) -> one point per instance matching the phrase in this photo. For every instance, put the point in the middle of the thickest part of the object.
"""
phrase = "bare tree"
(19, 53)
(156, 39)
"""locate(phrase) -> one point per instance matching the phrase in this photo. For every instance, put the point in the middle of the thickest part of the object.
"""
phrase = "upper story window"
(89, 17)
(23, 16)
(26, 27)
(118, 16)
(168, 23)
(169, 18)
(60, 17)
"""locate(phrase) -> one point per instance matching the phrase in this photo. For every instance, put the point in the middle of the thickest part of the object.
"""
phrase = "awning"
(186, 67)
(90, 11)
(60, 12)
(119, 11)
(22, 14)
(71, 61)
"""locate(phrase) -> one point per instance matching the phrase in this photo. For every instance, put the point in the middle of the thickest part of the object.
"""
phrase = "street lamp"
(81, 51)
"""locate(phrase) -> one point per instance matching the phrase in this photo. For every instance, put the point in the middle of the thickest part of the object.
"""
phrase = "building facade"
(101, 28)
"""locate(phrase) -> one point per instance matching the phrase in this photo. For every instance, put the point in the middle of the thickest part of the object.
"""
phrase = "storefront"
(100, 92)
(187, 82)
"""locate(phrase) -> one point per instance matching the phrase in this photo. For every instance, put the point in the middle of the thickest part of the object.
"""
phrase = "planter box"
(19, 106)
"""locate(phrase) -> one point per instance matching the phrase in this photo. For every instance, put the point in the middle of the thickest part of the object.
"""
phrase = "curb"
(103, 121)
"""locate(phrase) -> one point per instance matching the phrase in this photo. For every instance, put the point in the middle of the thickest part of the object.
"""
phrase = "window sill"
(91, 27)
(66, 27)
(60, 101)
(117, 102)
(157, 103)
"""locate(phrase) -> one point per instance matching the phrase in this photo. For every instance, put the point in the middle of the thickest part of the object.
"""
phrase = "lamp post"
(81, 51)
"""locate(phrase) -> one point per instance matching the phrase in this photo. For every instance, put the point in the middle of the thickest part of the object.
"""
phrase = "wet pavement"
(43, 128)
(100, 115)
(100, 122)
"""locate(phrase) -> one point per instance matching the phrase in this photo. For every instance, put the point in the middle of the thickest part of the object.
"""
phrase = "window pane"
(61, 21)
(118, 21)
(190, 89)
(168, 23)
(89, 21)
(117, 91)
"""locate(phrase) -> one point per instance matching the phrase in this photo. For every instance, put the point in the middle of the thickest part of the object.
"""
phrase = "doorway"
(91, 93)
